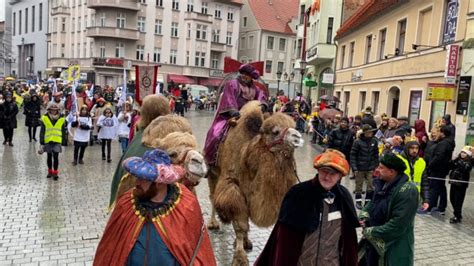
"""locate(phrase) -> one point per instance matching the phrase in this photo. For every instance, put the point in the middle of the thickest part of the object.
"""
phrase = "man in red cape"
(159, 222)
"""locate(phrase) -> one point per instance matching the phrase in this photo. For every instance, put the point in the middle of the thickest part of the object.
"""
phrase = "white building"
(6, 57)
(188, 38)
(29, 28)
(267, 33)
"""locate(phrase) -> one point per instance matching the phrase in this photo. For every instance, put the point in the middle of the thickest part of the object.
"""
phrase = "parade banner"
(145, 81)
(73, 72)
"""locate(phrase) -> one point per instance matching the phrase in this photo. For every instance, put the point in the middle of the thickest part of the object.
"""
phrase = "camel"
(172, 134)
(254, 170)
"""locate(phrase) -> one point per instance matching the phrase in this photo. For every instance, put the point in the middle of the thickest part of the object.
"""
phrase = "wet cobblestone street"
(46, 222)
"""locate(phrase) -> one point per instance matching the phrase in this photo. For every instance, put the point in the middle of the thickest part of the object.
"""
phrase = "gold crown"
(410, 139)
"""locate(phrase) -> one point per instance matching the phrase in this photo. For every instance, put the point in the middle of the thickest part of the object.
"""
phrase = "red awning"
(212, 82)
(180, 79)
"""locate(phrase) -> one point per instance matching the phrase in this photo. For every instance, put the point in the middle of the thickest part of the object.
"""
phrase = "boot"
(10, 144)
(455, 220)
(55, 175)
(368, 197)
(358, 200)
(50, 173)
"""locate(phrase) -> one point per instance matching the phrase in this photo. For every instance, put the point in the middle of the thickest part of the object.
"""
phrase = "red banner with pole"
(145, 81)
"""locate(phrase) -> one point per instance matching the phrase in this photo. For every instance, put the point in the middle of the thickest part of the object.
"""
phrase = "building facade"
(6, 55)
(267, 33)
(29, 25)
(188, 39)
(393, 57)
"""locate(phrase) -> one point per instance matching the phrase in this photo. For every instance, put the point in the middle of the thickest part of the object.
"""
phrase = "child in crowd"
(83, 124)
(108, 124)
(125, 119)
(459, 178)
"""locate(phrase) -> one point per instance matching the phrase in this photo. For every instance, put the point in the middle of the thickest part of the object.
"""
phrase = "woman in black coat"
(9, 119)
(32, 111)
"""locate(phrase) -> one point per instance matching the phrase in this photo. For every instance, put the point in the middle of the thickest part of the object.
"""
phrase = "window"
(215, 61)
(245, 21)
(158, 26)
(159, 2)
(382, 38)
(330, 29)
(141, 24)
(189, 30)
(140, 52)
(120, 50)
(78, 50)
(217, 11)
(251, 40)
(199, 59)
(204, 8)
(402, 27)
(91, 49)
(14, 23)
(375, 101)
(242, 43)
(79, 24)
(228, 39)
(26, 20)
(190, 7)
(73, 24)
(102, 19)
(40, 24)
(102, 50)
(230, 14)
(85, 22)
(351, 53)
(201, 32)
(173, 55)
(362, 97)
(424, 27)
(157, 55)
(302, 13)
(280, 66)
(120, 20)
(84, 47)
(33, 19)
(215, 35)
(268, 66)
(175, 5)
(282, 45)
(368, 48)
(270, 40)
(63, 48)
(72, 50)
(174, 29)
(55, 25)
(298, 47)
(63, 24)
(19, 22)
(187, 58)
(142, 1)
(343, 55)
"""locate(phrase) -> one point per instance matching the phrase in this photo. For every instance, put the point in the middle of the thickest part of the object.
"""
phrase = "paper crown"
(411, 139)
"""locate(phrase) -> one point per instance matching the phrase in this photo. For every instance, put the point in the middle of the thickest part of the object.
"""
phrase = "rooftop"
(274, 15)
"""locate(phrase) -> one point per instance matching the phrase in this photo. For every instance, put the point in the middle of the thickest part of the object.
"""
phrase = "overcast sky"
(2, 10)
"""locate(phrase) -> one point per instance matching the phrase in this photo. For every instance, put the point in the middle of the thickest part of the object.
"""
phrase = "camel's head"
(279, 132)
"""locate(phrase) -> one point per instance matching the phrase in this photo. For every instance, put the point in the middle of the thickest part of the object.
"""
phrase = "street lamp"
(302, 70)
(278, 81)
(288, 78)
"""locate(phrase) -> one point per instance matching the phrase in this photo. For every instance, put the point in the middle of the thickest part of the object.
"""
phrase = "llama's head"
(279, 133)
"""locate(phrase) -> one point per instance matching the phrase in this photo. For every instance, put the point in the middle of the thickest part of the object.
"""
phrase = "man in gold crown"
(415, 168)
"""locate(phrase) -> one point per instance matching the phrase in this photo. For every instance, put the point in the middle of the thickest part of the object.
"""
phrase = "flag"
(73, 110)
(145, 81)
(74, 73)
(123, 97)
(91, 92)
(55, 86)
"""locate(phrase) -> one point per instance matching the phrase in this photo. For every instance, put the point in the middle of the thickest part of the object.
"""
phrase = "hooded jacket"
(420, 132)
(415, 170)
(450, 125)
(364, 154)
(438, 157)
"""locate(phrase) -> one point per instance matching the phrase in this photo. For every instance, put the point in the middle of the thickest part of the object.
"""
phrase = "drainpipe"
(334, 63)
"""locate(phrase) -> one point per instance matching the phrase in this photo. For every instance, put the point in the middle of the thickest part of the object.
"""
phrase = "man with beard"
(159, 222)
(415, 169)
(341, 138)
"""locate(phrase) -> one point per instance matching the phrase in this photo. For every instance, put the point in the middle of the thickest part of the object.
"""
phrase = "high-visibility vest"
(418, 169)
(52, 133)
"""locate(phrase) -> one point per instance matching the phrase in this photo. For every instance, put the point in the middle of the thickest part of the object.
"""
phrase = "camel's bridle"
(279, 140)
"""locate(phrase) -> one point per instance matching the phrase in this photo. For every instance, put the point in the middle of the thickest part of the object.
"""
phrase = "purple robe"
(234, 96)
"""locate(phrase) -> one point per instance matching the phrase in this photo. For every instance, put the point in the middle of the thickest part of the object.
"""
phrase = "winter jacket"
(403, 130)
(369, 120)
(461, 171)
(450, 125)
(438, 157)
(420, 132)
(341, 140)
(389, 133)
(416, 173)
(364, 154)
(10, 110)
(32, 112)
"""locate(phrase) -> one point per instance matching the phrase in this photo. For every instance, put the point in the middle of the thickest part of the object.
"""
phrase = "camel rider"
(415, 169)
(237, 92)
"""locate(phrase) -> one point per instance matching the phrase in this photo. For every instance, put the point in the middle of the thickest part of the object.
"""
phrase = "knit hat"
(367, 128)
(52, 106)
(154, 166)
(333, 159)
(249, 70)
(467, 150)
(392, 161)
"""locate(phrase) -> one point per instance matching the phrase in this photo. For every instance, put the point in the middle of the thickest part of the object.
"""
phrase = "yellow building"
(391, 52)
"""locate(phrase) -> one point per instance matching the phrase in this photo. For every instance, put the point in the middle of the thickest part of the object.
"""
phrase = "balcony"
(218, 47)
(320, 53)
(60, 10)
(121, 4)
(198, 17)
(112, 32)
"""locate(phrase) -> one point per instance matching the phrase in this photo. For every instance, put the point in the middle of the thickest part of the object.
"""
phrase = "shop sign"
(451, 69)
(216, 73)
(440, 92)
(311, 52)
(115, 62)
(451, 21)
(328, 78)
(463, 95)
